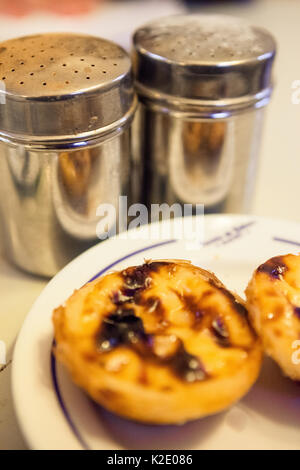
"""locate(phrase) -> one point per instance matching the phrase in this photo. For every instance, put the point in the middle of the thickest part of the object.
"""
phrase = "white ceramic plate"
(55, 414)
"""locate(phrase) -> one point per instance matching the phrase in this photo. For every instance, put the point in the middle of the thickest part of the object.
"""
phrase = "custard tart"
(163, 343)
(273, 301)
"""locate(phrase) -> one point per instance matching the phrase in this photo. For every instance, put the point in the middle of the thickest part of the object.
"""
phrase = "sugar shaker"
(66, 106)
(203, 82)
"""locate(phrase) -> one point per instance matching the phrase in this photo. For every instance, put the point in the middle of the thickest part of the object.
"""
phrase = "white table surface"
(278, 186)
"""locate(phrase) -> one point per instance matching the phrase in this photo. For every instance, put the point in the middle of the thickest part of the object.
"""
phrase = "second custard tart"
(273, 296)
(164, 342)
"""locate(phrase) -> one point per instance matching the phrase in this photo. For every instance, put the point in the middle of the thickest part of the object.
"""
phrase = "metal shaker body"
(49, 199)
(63, 151)
(198, 161)
(198, 127)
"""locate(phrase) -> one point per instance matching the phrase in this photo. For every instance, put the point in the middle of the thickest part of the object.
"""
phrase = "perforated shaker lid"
(203, 57)
(57, 87)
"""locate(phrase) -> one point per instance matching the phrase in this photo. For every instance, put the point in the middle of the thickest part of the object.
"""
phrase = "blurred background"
(113, 19)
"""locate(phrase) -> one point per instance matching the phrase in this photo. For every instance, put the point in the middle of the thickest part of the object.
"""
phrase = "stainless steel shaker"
(66, 105)
(203, 82)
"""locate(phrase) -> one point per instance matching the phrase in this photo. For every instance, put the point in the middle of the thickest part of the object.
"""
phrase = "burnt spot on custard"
(154, 306)
(120, 298)
(187, 366)
(202, 315)
(274, 267)
(297, 311)
(120, 327)
(207, 318)
(139, 277)
(235, 304)
(220, 332)
(123, 327)
(136, 279)
(192, 304)
(206, 294)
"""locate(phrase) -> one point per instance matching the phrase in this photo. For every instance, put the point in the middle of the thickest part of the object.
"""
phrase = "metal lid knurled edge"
(209, 58)
(60, 86)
